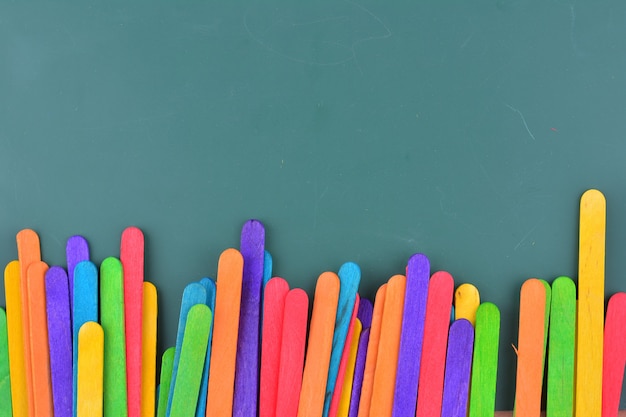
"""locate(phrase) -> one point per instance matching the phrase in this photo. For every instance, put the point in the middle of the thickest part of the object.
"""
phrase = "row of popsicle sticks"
(247, 354)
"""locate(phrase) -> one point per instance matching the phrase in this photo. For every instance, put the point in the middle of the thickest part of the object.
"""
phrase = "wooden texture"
(614, 358)
(466, 302)
(225, 333)
(90, 371)
(76, 250)
(311, 402)
(440, 289)
(458, 369)
(383, 385)
(367, 382)
(590, 315)
(247, 363)
(482, 400)
(346, 391)
(165, 378)
(39, 350)
(359, 370)
(112, 322)
(132, 258)
(273, 316)
(149, 349)
(15, 329)
(6, 410)
(411, 339)
(562, 335)
(209, 286)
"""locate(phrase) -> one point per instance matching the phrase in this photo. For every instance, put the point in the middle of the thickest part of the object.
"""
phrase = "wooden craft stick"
(482, 399)
(28, 251)
(167, 363)
(276, 291)
(5, 380)
(193, 352)
(15, 329)
(334, 404)
(466, 302)
(193, 294)
(359, 369)
(346, 391)
(367, 383)
(388, 348)
(90, 383)
(412, 336)
(590, 316)
(458, 369)
(560, 394)
(60, 325)
(430, 388)
(614, 358)
(366, 309)
(149, 349)
(209, 286)
(225, 332)
(293, 344)
(132, 258)
(76, 250)
(311, 402)
(39, 350)
(349, 278)
(247, 363)
(534, 301)
(112, 322)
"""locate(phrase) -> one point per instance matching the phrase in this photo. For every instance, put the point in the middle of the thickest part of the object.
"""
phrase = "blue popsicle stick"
(349, 278)
(193, 294)
(209, 286)
(267, 267)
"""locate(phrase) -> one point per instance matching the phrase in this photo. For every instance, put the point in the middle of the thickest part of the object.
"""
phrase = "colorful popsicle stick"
(560, 393)
(90, 370)
(359, 369)
(132, 258)
(311, 402)
(349, 278)
(193, 352)
(436, 324)
(39, 350)
(149, 349)
(60, 325)
(346, 390)
(15, 329)
(292, 348)
(366, 309)
(28, 251)
(112, 322)
(458, 369)
(412, 336)
(76, 250)
(614, 357)
(367, 383)
(5, 379)
(466, 302)
(276, 291)
(590, 315)
(167, 363)
(209, 286)
(388, 348)
(482, 399)
(225, 333)
(267, 267)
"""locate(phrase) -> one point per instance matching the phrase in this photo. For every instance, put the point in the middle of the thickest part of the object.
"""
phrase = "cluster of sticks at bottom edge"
(85, 345)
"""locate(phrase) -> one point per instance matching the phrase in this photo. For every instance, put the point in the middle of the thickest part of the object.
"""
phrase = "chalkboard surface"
(354, 130)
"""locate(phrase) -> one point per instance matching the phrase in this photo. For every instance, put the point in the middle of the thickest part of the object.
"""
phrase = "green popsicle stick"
(560, 395)
(482, 402)
(192, 355)
(112, 321)
(167, 363)
(6, 410)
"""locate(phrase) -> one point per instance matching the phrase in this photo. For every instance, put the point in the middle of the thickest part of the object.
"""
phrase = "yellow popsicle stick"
(90, 370)
(346, 391)
(590, 324)
(149, 349)
(15, 330)
(466, 302)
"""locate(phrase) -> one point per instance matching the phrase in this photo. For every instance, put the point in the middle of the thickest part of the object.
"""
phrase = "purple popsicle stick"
(364, 313)
(76, 250)
(247, 364)
(60, 342)
(458, 369)
(359, 370)
(412, 336)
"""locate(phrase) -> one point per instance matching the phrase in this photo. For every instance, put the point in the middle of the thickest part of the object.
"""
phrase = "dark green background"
(363, 131)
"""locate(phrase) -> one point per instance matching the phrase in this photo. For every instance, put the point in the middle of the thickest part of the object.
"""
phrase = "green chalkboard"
(358, 131)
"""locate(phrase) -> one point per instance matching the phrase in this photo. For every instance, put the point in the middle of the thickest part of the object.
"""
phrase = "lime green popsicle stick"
(6, 410)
